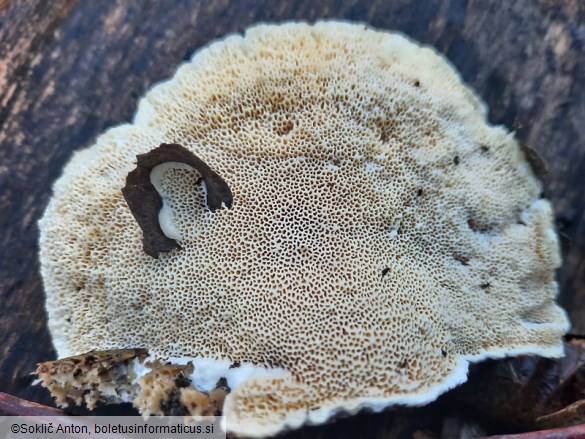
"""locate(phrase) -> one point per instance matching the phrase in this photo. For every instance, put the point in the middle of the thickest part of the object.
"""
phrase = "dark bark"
(69, 70)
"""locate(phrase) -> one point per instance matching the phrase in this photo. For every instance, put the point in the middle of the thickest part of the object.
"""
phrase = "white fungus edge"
(317, 417)
(207, 371)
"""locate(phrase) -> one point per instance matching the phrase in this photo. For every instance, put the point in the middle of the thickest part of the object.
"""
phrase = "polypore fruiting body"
(382, 233)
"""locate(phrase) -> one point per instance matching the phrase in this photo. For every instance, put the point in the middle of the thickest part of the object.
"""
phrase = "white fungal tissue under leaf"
(382, 234)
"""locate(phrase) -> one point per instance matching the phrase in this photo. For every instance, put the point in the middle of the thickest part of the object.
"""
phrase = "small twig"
(576, 432)
(21, 407)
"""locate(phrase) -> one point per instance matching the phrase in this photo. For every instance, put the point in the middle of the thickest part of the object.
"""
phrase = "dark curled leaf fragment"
(145, 202)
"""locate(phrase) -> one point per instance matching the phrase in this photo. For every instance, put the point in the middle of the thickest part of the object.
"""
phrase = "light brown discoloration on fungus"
(116, 376)
(384, 234)
(160, 390)
(97, 376)
(201, 404)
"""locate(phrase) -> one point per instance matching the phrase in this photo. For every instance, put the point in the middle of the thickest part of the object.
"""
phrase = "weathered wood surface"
(70, 69)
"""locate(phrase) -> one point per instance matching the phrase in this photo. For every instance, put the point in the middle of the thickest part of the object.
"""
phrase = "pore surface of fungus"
(382, 233)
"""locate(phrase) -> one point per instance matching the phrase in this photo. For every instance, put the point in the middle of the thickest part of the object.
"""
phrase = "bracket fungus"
(382, 234)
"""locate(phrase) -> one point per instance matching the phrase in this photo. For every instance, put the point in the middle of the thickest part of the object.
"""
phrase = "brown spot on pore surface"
(285, 128)
(464, 260)
(476, 226)
(145, 202)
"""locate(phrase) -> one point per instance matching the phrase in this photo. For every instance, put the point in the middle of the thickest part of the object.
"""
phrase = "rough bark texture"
(70, 69)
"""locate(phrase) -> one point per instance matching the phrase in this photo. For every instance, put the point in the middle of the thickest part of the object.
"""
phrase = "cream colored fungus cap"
(382, 233)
